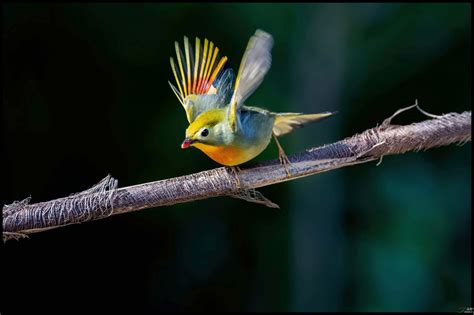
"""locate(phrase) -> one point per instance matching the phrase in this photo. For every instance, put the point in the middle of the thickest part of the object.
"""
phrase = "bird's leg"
(282, 156)
(235, 170)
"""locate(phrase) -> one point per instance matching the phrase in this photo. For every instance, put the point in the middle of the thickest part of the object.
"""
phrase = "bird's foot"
(285, 162)
(282, 157)
(235, 170)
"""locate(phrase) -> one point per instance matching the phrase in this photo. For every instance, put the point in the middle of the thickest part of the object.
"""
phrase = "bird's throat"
(225, 155)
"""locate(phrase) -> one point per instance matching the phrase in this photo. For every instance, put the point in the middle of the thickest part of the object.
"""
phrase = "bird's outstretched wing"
(255, 64)
(202, 80)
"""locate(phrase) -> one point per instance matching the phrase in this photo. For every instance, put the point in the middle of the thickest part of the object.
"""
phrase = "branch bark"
(104, 199)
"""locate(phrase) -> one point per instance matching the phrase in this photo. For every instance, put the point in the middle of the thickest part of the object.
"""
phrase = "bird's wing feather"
(255, 64)
(199, 74)
(202, 103)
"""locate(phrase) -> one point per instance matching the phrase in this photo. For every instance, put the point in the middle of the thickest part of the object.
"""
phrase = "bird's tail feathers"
(286, 122)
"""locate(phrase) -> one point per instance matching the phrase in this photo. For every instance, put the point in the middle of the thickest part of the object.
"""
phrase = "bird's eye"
(204, 133)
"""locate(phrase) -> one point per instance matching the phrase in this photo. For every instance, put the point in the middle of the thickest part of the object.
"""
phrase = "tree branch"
(104, 199)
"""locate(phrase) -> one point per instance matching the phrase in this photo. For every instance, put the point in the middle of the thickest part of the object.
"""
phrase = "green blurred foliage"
(85, 93)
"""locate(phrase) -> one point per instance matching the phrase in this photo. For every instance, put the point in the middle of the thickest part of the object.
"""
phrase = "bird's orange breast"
(225, 155)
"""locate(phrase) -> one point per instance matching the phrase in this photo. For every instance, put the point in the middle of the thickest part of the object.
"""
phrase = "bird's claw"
(235, 170)
(282, 157)
(285, 162)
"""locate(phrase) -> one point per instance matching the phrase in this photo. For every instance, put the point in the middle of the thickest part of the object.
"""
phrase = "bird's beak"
(186, 143)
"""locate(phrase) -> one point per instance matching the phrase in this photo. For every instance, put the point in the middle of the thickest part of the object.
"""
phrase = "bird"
(220, 124)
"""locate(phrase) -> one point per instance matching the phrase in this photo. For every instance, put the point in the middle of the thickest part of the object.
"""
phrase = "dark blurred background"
(85, 94)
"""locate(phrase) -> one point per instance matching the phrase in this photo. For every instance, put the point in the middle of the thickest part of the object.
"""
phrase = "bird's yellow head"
(208, 129)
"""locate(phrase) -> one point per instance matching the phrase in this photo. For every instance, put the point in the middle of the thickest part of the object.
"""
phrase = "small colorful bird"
(220, 125)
